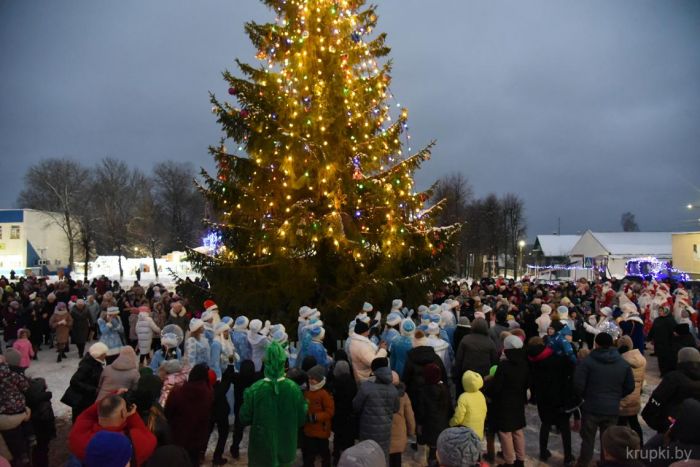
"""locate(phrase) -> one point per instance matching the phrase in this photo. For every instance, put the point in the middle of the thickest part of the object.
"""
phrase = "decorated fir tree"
(314, 197)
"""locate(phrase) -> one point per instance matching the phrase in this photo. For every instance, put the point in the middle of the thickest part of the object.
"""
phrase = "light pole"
(521, 244)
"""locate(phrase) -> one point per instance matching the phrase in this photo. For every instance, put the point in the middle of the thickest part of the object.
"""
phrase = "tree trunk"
(119, 259)
(71, 240)
(155, 264)
(86, 246)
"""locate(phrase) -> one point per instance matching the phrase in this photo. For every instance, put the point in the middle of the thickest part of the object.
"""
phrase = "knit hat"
(98, 350)
(108, 449)
(434, 309)
(603, 339)
(396, 304)
(221, 328)
(209, 305)
(379, 362)
(463, 321)
(433, 329)
(317, 373)
(60, 306)
(196, 324)
(228, 320)
(364, 453)
(563, 312)
(394, 318)
(241, 324)
(12, 357)
(512, 342)
(207, 316)
(688, 354)
(620, 442)
(255, 326)
(171, 366)
(545, 309)
(458, 447)
(113, 310)
(280, 336)
(367, 307)
(361, 327)
(408, 327)
(341, 368)
(422, 309)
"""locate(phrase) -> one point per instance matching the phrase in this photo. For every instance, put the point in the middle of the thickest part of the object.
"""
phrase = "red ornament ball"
(233, 91)
(244, 113)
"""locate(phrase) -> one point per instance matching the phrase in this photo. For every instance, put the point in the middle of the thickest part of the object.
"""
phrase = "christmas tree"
(314, 195)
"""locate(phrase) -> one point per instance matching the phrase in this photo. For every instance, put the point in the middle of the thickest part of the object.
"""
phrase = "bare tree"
(180, 202)
(56, 186)
(628, 222)
(514, 216)
(458, 193)
(117, 189)
(147, 226)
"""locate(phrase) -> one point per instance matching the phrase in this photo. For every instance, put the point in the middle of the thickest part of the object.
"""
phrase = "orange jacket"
(322, 407)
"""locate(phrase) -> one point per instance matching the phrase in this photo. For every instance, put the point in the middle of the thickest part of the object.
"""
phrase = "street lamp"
(690, 206)
(521, 244)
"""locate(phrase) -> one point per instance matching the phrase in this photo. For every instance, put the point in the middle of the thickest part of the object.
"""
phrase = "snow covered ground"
(58, 376)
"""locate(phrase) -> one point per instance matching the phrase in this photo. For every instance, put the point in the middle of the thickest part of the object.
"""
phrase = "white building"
(612, 250)
(31, 239)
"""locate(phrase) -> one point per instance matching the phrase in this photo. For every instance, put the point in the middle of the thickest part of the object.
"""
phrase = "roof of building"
(634, 243)
(555, 245)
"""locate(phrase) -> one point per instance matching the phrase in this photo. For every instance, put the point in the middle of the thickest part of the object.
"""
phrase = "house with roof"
(31, 239)
(610, 251)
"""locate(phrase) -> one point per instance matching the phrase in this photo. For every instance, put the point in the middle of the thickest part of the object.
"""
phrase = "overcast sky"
(585, 109)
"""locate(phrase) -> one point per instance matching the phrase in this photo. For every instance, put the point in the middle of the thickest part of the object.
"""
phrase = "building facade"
(686, 253)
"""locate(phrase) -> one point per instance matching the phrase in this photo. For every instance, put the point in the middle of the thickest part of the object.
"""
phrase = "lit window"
(14, 232)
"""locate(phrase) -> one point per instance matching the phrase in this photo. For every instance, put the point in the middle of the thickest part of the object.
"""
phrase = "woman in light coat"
(111, 331)
(403, 425)
(61, 322)
(145, 329)
(632, 403)
(123, 373)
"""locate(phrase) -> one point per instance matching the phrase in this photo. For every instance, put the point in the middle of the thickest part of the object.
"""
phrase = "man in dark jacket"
(421, 355)
(82, 391)
(375, 403)
(661, 334)
(476, 352)
(602, 380)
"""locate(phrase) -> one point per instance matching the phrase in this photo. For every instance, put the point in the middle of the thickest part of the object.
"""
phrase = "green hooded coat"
(275, 408)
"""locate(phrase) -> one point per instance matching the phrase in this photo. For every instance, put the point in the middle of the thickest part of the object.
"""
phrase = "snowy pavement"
(58, 376)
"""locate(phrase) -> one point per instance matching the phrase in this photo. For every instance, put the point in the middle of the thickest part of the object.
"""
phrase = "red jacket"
(86, 425)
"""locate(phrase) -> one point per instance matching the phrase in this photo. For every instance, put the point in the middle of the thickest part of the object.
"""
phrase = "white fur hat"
(408, 327)
(434, 309)
(195, 324)
(606, 311)
(304, 313)
(207, 316)
(479, 314)
(97, 350)
(255, 325)
(546, 309)
(220, 328)
(394, 318)
(422, 309)
(396, 304)
(241, 323)
(433, 329)
(169, 340)
(367, 307)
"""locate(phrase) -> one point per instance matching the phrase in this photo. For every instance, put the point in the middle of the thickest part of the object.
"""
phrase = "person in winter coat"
(133, 317)
(197, 350)
(441, 346)
(221, 408)
(403, 425)
(631, 404)
(463, 328)
(681, 338)
(242, 380)
(551, 384)
(189, 411)
(10, 322)
(508, 392)
(544, 320)
(498, 327)
(240, 340)
(81, 325)
(169, 350)
(43, 420)
(122, 373)
(111, 330)
(178, 316)
(222, 350)
(174, 374)
(471, 405)
(683, 437)
(84, 384)
(557, 341)
(24, 347)
(13, 405)
(344, 391)
(275, 408)
(661, 334)
(632, 325)
(61, 322)
(432, 409)
(94, 309)
(375, 403)
(317, 429)
(258, 340)
(675, 387)
(602, 379)
(362, 351)
(476, 351)
(145, 328)
(112, 414)
(419, 357)
(401, 345)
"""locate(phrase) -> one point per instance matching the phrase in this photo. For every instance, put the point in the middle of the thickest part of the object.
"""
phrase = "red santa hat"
(209, 305)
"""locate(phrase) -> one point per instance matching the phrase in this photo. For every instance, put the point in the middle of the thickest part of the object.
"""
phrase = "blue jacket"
(399, 352)
(635, 330)
(561, 346)
(197, 350)
(111, 333)
(318, 351)
(159, 358)
(240, 342)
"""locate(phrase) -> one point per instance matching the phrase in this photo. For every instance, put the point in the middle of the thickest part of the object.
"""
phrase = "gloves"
(310, 418)
(63, 321)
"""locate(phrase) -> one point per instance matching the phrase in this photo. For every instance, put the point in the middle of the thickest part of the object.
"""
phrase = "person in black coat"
(433, 410)
(683, 437)
(681, 338)
(675, 387)
(83, 388)
(508, 393)
(463, 328)
(344, 427)
(43, 420)
(550, 382)
(476, 351)
(661, 334)
(242, 380)
(221, 410)
(417, 358)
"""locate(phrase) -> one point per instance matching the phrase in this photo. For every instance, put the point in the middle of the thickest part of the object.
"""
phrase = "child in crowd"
(317, 429)
(24, 347)
(471, 405)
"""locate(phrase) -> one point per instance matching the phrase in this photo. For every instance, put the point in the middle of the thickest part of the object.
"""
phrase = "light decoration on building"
(650, 267)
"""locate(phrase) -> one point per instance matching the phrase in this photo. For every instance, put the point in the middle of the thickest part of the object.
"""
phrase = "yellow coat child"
(471, 405)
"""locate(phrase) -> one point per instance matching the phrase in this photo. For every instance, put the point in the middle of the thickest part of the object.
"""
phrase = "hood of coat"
(635, 358)
(480, 326)
(126, 360)
(538, 353)
(516, 355)
(423, 355)
(383, 375)
(472, 381)
(605, 356)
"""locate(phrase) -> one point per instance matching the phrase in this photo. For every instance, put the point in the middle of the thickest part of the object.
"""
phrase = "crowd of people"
(161, 375)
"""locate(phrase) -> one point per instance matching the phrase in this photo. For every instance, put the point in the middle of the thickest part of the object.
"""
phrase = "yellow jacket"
(471, 405)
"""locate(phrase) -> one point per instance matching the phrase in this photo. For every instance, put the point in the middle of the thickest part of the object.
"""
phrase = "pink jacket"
(24, 347)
